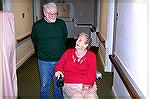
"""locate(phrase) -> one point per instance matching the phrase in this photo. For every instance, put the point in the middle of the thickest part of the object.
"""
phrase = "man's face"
(51, 14)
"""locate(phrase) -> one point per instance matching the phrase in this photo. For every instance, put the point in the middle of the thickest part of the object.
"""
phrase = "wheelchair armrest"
(98, 75)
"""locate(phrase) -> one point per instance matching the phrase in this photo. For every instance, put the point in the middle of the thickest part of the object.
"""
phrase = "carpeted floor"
(28, 79)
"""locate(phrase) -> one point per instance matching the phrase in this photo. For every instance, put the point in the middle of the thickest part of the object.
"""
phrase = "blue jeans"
(46, 71)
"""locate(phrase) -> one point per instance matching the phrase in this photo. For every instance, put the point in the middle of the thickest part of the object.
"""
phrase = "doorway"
(1, 8)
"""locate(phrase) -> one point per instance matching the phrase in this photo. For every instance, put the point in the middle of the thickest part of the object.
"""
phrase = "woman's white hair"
(88, 39)
(48, 6)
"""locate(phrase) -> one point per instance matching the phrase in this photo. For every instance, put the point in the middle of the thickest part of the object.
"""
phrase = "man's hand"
(58, 73)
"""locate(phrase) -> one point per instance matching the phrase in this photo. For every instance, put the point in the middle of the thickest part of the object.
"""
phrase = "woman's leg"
(73, 91)
(77, 96)
(92, 93)
(91, 96)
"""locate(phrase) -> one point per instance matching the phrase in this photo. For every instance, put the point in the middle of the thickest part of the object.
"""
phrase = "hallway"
(28, 79)
(123, 33)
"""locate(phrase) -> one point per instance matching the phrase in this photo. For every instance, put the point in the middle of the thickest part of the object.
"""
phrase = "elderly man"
(49, 35)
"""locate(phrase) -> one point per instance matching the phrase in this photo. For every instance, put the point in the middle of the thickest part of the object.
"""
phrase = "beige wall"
(103, 17)
(24, 50)
(23, 14)
(103, 28)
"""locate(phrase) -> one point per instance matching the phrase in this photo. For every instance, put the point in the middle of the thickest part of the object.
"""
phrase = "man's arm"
(65, 32)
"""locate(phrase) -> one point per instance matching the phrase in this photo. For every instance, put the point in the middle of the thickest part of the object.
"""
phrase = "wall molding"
(115, 94)
(19, 63)
(125, 77)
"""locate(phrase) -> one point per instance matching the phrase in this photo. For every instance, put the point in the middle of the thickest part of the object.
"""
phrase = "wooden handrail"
(20, 40)
(101, 38)
(133, 93)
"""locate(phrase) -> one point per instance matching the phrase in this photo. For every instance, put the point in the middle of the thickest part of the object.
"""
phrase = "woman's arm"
(91, 70)
(61, 63)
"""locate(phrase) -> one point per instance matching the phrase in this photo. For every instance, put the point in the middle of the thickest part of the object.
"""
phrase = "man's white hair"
(49, 6)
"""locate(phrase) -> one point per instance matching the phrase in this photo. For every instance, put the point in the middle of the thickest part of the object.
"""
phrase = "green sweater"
(49, 39)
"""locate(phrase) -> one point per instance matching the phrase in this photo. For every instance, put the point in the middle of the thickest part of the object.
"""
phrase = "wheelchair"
(60, 83)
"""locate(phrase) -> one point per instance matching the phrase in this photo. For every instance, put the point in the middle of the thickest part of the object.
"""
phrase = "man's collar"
(47, 20)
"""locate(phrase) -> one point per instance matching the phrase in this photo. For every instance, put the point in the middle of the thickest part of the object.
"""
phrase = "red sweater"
(83, 71)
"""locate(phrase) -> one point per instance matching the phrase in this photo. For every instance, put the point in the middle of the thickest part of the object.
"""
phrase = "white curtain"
(9, 56)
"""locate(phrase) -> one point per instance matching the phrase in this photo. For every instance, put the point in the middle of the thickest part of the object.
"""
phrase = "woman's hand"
(85, 89)
(58, 73)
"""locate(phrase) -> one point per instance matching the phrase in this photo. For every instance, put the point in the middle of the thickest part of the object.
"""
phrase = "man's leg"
(45, 79)
(57, 91)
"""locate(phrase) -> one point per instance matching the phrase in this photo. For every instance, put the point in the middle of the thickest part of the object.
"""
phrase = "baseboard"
(115, 94)
(25, 58)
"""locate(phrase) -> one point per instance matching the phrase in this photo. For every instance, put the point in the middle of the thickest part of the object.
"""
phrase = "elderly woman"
(78, 67)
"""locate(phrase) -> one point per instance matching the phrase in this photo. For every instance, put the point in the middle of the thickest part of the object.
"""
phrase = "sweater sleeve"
(62, 61)
(33, 36)
(91, 70)
(65, 32)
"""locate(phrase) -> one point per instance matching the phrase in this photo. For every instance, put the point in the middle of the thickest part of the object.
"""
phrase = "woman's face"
(81, 43)
(51, 14)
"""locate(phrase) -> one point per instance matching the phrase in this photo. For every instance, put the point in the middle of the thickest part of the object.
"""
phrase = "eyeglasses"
(52, 14)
